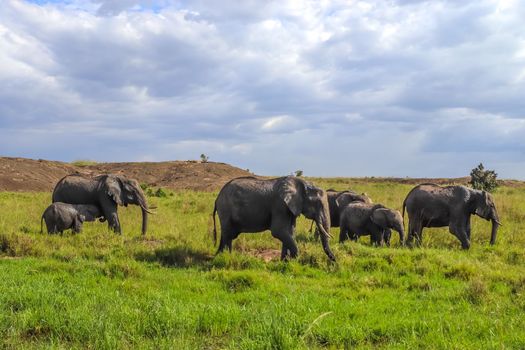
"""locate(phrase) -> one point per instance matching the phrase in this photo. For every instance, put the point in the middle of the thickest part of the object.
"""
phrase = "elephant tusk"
(324, 232)
(147, 211)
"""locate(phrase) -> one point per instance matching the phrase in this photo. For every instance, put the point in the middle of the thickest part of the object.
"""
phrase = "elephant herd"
(249, 204)
(77, 198)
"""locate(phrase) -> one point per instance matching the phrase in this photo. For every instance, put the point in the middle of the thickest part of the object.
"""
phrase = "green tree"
(482, 179)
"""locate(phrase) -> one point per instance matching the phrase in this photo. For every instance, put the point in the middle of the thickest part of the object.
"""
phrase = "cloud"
(333, 88)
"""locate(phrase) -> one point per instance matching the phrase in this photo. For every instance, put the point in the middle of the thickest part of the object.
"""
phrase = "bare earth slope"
(21, 174)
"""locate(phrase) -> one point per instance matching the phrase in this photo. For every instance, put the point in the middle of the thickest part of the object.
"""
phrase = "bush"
(204, 158)
(151, 192)
(482, 179)
(160, 193)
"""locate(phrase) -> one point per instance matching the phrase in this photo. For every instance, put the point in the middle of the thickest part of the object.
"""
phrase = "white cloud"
(274, 86)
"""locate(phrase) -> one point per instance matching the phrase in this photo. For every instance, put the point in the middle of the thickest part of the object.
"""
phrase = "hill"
(22, 174)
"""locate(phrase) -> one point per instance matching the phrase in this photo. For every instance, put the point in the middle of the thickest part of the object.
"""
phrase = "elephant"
(431, 205)
(248, 204)
(62, 216)
(105, 191)
(360, 219)
(337, 201)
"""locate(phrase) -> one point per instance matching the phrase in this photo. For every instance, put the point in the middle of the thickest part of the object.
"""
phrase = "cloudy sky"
(335, 88)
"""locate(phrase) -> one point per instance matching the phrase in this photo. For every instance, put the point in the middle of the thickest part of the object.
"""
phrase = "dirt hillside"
(22, 174)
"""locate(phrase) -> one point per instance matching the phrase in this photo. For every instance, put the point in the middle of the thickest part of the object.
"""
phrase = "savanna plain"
(101, 290)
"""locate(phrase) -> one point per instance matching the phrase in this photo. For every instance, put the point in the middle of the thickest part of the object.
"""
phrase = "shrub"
(160, 193)
(151, 192)
(482, 179)
(204, 158)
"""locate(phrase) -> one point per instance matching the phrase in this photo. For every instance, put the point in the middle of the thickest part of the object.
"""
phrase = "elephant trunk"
(323, 225)
(144, 220)
(401, 230)
(145, 211)
(495, 226)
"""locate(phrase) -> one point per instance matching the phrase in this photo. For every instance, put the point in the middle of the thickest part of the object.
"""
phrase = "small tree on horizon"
(204, 158)
(482, 179)
(298, 173)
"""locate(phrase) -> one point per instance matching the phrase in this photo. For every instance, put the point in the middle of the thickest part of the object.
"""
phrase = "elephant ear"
(114, 190)
(486, 198)
(481, 204)
(367, 198)
(292, 195)
(342, 200)
(380, 217)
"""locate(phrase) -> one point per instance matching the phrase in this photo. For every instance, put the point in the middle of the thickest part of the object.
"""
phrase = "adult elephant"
(248, 204)
(431, 205)
(337, 201)
(105, 191)
(361, 219)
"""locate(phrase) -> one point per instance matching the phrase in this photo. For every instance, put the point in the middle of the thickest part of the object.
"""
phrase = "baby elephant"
(62, 216)
(361, 219)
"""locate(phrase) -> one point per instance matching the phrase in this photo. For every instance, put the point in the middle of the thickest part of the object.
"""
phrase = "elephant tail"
(404, 206)
(41, 222)
(214, 224)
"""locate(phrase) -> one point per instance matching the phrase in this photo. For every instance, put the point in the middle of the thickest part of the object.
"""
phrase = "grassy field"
(168, 290)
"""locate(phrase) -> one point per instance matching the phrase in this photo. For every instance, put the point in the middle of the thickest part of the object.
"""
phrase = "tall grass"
(168, 289)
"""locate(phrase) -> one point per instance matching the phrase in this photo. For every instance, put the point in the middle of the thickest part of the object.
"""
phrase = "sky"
(334, 88)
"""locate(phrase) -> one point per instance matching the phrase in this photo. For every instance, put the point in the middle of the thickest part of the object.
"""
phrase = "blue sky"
(335, 88)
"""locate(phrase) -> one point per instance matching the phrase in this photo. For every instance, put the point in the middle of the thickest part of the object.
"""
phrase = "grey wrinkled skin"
(337, 201)
(63, 216)
(248, 204)
(106, 192)
(430, 205)
(362, 219)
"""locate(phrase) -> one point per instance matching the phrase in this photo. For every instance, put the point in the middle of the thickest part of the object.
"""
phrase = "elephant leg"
(376, 236)
(109, 209)
(289, 247)
(458, 230)
(343, 234)
(233, 236)
(227, 235)
(410, 235)
(387, 233)
(282, 230)
(316, 234)
(113, 223)
(419, 233)
(468, 227)
(224, 243)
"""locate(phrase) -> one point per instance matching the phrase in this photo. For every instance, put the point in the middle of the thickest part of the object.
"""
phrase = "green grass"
(168, 290)
(83, 162)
